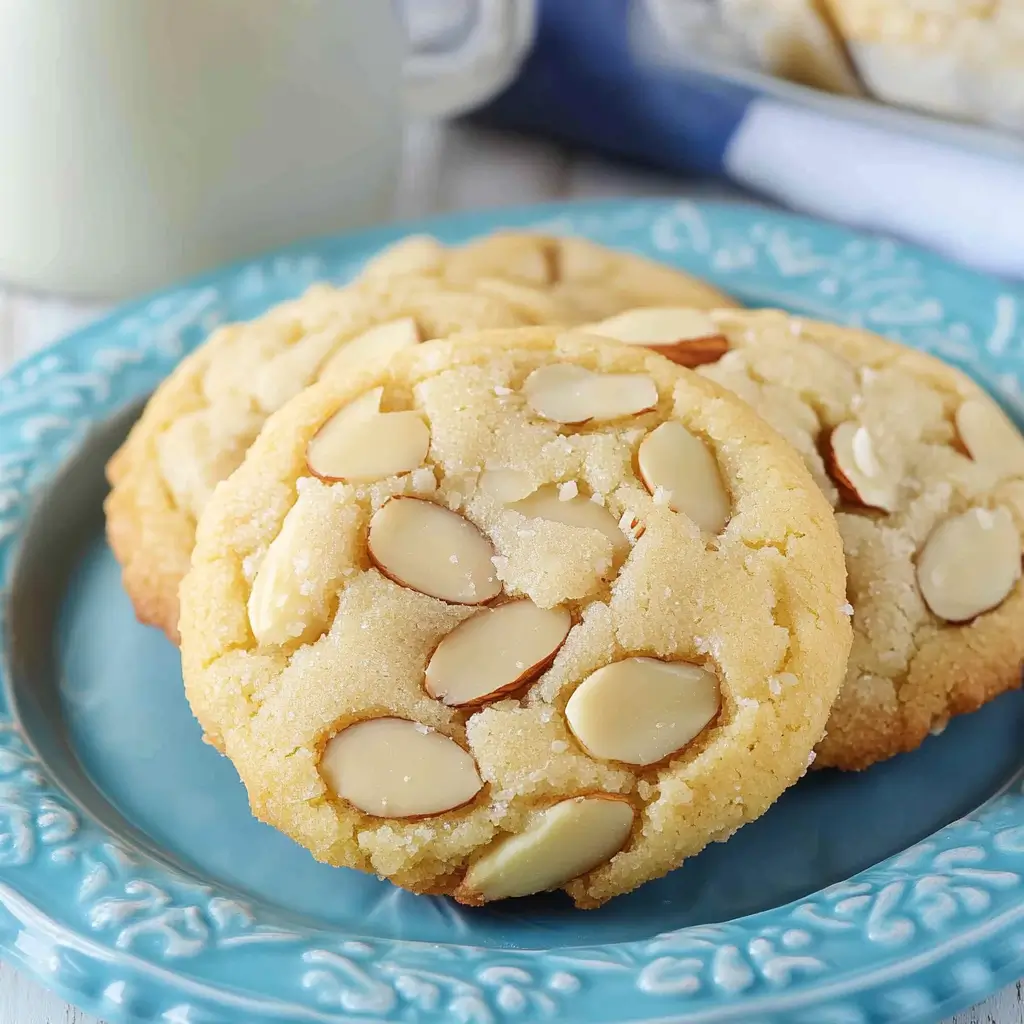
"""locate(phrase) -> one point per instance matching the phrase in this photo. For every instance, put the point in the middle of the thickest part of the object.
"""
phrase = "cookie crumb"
(568, 490)
(423, 480)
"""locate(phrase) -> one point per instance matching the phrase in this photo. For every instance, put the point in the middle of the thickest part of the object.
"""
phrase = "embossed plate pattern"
(133, 882)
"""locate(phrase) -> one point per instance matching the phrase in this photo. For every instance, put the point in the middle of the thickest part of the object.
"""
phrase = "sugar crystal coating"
(760, 601)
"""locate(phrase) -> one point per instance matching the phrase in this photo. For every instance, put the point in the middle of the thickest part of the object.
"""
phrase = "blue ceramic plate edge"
(684, 225)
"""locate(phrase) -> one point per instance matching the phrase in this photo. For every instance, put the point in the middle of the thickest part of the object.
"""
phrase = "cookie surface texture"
(200, 421)
(926, 474)
(198, 424)
(520, 664)
(550, 279)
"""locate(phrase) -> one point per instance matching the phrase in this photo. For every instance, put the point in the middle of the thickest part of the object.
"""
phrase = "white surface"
(445, 169)
(870, 177)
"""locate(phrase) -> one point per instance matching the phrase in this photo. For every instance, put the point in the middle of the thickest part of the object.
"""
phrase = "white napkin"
(966, 204)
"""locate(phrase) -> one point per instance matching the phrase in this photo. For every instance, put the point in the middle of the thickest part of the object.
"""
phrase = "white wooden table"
(446, 168)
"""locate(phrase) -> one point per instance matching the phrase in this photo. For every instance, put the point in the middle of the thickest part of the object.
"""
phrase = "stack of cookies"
(958, 59)
(532, 565)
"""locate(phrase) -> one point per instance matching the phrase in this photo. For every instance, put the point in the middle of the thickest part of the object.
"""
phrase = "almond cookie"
(575, 614)
(200, 421)
(793, 39)
(926, 474)
(957, 58)
(549, 279)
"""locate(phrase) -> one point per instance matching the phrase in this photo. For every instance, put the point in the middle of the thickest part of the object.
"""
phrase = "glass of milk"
(144, 140)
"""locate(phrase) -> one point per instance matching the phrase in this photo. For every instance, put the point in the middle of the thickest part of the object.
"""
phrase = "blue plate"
(134, 882)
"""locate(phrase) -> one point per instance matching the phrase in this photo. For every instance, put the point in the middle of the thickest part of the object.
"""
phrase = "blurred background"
(144, 142)
(899, 115)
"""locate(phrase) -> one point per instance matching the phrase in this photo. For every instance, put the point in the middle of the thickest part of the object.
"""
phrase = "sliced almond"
(535, 304)
(276, 606)
(989, 436)
(546, 503)
(378, 344)
(506, 485)
(686, 336)
(562, 842)
(394, 768)
(416, 254)
(970, 563)
(428, 548)
(681, 467)
(641, 710)
(361, 408)
(286, 600)
(510, 255)
(567, 393)
(368, 445)
(495, 652)
(861, 476)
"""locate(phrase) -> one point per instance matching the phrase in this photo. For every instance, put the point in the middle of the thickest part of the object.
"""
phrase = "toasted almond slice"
(428, 548)
(682, 466)
(377, 345)
(394, 768)
(686, 336)
(572, 394)
(546, 503)
(276, 605)
(642, 710)
(495, 652)
(858, 472)
(970, 563)
(368, 447)
(281, 606)
(989, 436)
(562, 842)
(506, 485)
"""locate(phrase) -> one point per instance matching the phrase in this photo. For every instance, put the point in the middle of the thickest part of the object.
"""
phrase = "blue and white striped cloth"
(583, 85)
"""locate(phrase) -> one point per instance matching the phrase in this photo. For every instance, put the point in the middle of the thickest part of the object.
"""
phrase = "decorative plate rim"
(925, 932)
